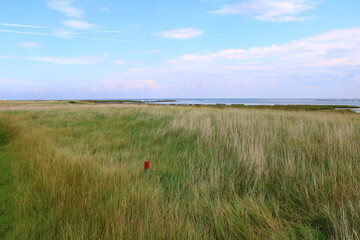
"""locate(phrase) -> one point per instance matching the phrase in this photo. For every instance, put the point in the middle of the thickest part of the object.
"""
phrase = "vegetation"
(6, 217)
(110, 101)
(301, 107)
(76, 172)
(123, 101)
(162, 100)
(282, 107)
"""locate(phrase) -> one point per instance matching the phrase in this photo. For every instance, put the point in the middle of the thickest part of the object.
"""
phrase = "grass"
(301, 107)
(6, 184)
(282, 107)
(120, 101)
(217, 173)
(106, 101)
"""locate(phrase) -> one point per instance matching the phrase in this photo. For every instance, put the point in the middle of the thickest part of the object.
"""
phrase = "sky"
(123, 49)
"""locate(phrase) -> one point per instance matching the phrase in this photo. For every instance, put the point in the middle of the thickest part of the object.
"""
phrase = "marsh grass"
(6, 188)
(216, 173)
(334, 108)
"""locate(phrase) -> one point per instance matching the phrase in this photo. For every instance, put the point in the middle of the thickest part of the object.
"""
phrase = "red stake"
(146, 165)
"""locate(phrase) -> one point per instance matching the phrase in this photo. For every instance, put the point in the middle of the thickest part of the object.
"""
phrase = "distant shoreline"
(274, 105)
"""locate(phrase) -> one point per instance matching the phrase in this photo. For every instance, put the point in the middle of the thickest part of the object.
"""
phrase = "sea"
(355, 102)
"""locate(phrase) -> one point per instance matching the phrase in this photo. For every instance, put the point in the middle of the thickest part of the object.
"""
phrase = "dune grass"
(227, 173)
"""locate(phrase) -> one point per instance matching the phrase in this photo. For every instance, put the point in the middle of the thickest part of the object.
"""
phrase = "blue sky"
(91, 49)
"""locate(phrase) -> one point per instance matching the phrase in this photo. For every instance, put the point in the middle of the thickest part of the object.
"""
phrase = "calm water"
(263, 101)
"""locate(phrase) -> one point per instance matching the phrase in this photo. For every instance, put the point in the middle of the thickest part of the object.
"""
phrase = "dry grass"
(216, 173)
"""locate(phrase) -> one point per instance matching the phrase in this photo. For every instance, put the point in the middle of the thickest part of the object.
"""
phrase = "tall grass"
(6, 184)
(216, 173)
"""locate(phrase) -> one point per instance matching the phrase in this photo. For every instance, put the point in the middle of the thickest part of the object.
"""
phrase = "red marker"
(146, 165)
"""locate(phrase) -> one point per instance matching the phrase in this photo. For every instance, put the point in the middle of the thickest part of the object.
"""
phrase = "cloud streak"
(118, 62)
(19, 25)
(66, 34)
(83, 60)
(271, 10)
(26, 33)
(29, 45)
(180, 33)
(78, 24)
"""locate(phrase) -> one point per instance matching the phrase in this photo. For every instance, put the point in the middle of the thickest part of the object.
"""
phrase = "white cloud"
(271, 10)
(64, 6)
(181, 33)
(29, 45)
(19, 25)
(328, 62)
(118, 62)
(65, 34)
(338, 47)
(126, 85)
(83, 60)
(77, 24)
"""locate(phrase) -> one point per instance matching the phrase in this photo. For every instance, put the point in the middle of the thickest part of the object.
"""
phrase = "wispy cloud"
(105, 8)
(180, 33)
(151, 51)
(271, 10)
(83, 60)
(338, 47)
(78, 24)
(118, 62)
(8, 81)
(110, 31)
(26, 33)
(67, 35)
(87, 60)
(29, 45)
(154, 51)
(65, 7)
(126, 85)
(108, 39)
(19, 25)
(309, 67)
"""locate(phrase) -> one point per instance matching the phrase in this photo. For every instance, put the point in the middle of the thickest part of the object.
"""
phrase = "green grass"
(216, 173)
(6, 189)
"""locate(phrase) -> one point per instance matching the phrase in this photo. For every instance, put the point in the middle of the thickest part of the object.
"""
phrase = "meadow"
(75, 171)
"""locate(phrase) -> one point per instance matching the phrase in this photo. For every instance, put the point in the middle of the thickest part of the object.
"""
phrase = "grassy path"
(6, 184)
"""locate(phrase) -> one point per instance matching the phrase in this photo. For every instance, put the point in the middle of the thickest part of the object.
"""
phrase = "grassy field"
(75, 171)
